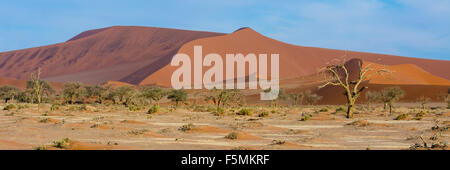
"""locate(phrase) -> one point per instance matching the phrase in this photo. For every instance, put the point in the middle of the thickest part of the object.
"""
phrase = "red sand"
(406, 74)
(295, 61)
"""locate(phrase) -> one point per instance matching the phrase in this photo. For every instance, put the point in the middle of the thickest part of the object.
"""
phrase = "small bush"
(232, 136)
(138, 132)
(305, 117)
(264, 114)
(134, 107)
(10, 107)
(244, 112)
(153, 109)
(55, 107)
(420, 115)
(323, 110)
(186, 128)
(62, 144)
(278, 142)
(402, 117)
(341, 109)
(40, 147)
(44, 120)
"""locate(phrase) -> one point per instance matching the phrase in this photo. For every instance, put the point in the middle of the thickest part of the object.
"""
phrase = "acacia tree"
(340, 77)
(100, 93)
(297, 98)
(423, 101)
(155, 94)
(391, 95)
(177, 96)
(222, 97)
(124, 95)
(73, 91)
(311, 98)
(9, 93)
(372, 97)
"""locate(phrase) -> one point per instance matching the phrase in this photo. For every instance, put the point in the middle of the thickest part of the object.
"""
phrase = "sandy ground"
(115, 127)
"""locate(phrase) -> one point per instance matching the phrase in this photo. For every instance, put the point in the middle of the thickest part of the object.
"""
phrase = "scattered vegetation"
(244, 112)
(305, 117)
(153, 109)
(390, 95)
(10, 107)
(263, 114)
(186, 128)
(177, 96)
(62, 144)
(232, 136)
(402, 117)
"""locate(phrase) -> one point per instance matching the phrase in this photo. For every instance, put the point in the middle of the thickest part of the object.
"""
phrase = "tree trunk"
(39, 104)
(390, 109)
(350, 111)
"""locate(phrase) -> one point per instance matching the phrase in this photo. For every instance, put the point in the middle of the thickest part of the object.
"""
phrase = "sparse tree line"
(388, 96)
(39, 91)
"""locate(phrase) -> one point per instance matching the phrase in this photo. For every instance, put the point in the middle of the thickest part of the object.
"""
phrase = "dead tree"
(37, 87)
(340, 76)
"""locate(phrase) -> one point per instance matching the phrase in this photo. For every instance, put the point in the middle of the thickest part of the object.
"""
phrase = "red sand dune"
(295, 61)
(128, 54)
(405, 74)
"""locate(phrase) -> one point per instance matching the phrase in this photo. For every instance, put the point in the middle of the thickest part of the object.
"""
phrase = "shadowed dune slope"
(125, 53)
(295, 61)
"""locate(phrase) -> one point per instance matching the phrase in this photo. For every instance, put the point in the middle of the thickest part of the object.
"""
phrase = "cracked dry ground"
(113, 127)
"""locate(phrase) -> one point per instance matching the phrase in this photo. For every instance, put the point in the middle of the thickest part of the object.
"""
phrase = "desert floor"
(115, 127)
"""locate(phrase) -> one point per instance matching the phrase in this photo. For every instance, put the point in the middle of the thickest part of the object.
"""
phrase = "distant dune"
(128, 54)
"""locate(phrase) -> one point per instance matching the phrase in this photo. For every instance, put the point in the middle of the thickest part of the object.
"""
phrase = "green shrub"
(323, 110)
(40, 147)
(133, 107)
(402, 117)
(341, 109)
(153, 109)
(244, 112)
(264, 114)
(232, 136)
(10, 107)
(420, 115)
(62, 144)
(305, 117)
(55, 107)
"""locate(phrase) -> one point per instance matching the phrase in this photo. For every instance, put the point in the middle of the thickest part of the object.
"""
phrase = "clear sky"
(413, 28)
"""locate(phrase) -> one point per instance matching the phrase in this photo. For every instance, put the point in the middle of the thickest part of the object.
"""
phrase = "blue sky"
(413, 28)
